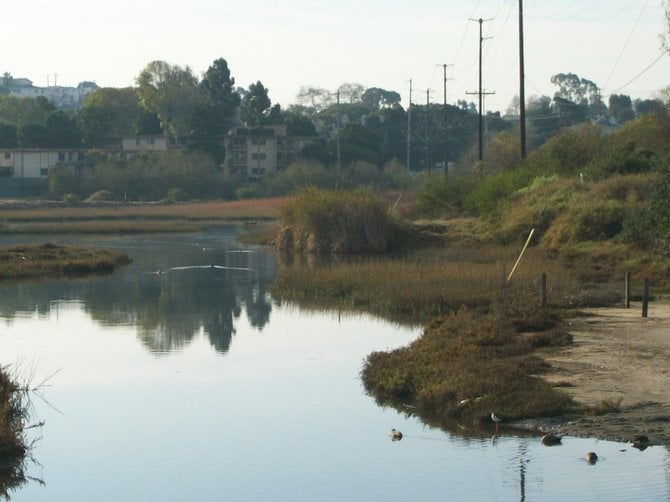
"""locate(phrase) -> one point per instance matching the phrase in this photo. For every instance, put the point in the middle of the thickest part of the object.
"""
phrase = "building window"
(138, 141)
(258, 156)
(150, 141)
(257, 141)
(61, 156)
(239, 155)
(240, 141)
(80, 156)
(44, 171)
(8, 155)
(254, 171)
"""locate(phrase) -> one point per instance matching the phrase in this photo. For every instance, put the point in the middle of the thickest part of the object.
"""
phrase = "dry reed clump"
(464, 366)
(316, 220)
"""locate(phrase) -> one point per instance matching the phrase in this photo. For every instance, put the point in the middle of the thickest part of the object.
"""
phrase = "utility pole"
(337, 138)
(481, 91)
(409, 126)
(446, 133)
(522, 86)
(427, 130)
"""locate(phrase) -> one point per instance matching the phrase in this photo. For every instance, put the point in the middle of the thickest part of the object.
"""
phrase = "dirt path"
(617, 355)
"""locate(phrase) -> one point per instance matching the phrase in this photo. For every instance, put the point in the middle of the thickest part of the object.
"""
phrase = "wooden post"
(645, 297)
(626, 291)
(543, 290)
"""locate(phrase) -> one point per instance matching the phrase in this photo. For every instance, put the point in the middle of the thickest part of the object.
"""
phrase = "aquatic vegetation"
(463, 366)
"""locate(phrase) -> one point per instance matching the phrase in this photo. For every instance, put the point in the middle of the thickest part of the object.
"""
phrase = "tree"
(109, 114)
(360, 143)
(255, 105)
(33, 136)
(621, 108)
(350, 92)
(542, 120)
(171, 92)
(315, 99)
(219, 87)
(575, 89)
(22, 111)
(7, 136)
(298, 125)
(645, 106)
(63, 131)
(376, 98)
(5, 83)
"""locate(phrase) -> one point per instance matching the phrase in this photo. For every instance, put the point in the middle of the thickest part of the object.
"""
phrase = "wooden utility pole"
(409, 126)
(522, 86)
(428, 130)
(337, 135)
(481, 92)
(446, 129)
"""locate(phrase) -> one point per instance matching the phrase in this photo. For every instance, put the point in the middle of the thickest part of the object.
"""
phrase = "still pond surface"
(195, 384)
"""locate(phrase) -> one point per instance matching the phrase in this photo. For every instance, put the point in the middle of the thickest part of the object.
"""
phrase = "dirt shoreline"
(617, 355)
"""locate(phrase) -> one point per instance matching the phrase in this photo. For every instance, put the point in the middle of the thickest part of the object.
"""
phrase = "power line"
(625, 45)
(664, 53)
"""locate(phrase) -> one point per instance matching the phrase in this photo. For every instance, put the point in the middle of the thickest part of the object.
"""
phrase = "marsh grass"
(48, 260)
(426, 283)
(101, 217)
(464, 366)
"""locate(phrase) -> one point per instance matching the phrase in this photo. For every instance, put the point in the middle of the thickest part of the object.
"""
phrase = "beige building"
(255, 152)
(159, 143)
(35, 163)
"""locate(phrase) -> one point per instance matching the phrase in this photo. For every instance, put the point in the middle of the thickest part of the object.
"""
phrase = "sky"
(290, 44)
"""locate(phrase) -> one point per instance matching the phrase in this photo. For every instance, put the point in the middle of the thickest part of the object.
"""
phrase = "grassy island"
(50, 260)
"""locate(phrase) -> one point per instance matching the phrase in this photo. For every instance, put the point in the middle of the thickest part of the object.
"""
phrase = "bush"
(442, 196)
(334, 221)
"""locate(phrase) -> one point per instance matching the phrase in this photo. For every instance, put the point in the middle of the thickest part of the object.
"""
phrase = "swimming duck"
(396, 435)
(551, 439)
(591, 457)
(640, 442)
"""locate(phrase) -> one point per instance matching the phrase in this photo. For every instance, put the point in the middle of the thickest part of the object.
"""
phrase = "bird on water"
(396, 435)
(496, 419)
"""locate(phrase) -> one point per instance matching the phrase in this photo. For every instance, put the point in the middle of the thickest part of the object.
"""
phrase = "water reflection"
(204, 285)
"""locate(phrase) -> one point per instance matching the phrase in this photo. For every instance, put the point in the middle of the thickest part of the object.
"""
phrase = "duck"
(591, 457)
(550, 439)
(396, 435)
(641, 442)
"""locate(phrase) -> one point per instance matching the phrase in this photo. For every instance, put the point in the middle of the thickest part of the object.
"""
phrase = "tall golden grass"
(316, 220)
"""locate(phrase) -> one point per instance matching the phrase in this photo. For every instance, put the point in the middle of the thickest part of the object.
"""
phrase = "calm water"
(195, 384)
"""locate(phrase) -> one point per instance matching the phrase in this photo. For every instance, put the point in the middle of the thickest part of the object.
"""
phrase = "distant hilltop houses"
(63, 98)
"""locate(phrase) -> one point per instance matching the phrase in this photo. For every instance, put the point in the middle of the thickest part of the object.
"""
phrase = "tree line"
(351, 124)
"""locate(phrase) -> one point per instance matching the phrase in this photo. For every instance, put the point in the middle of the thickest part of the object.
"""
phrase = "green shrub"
(442, 196)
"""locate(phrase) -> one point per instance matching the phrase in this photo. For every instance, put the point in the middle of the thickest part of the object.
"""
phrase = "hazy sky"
(287, 44)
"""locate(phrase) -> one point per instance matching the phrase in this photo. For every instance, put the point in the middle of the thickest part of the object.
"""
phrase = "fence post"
(543, 290)
(626, 291)
(645, 297)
